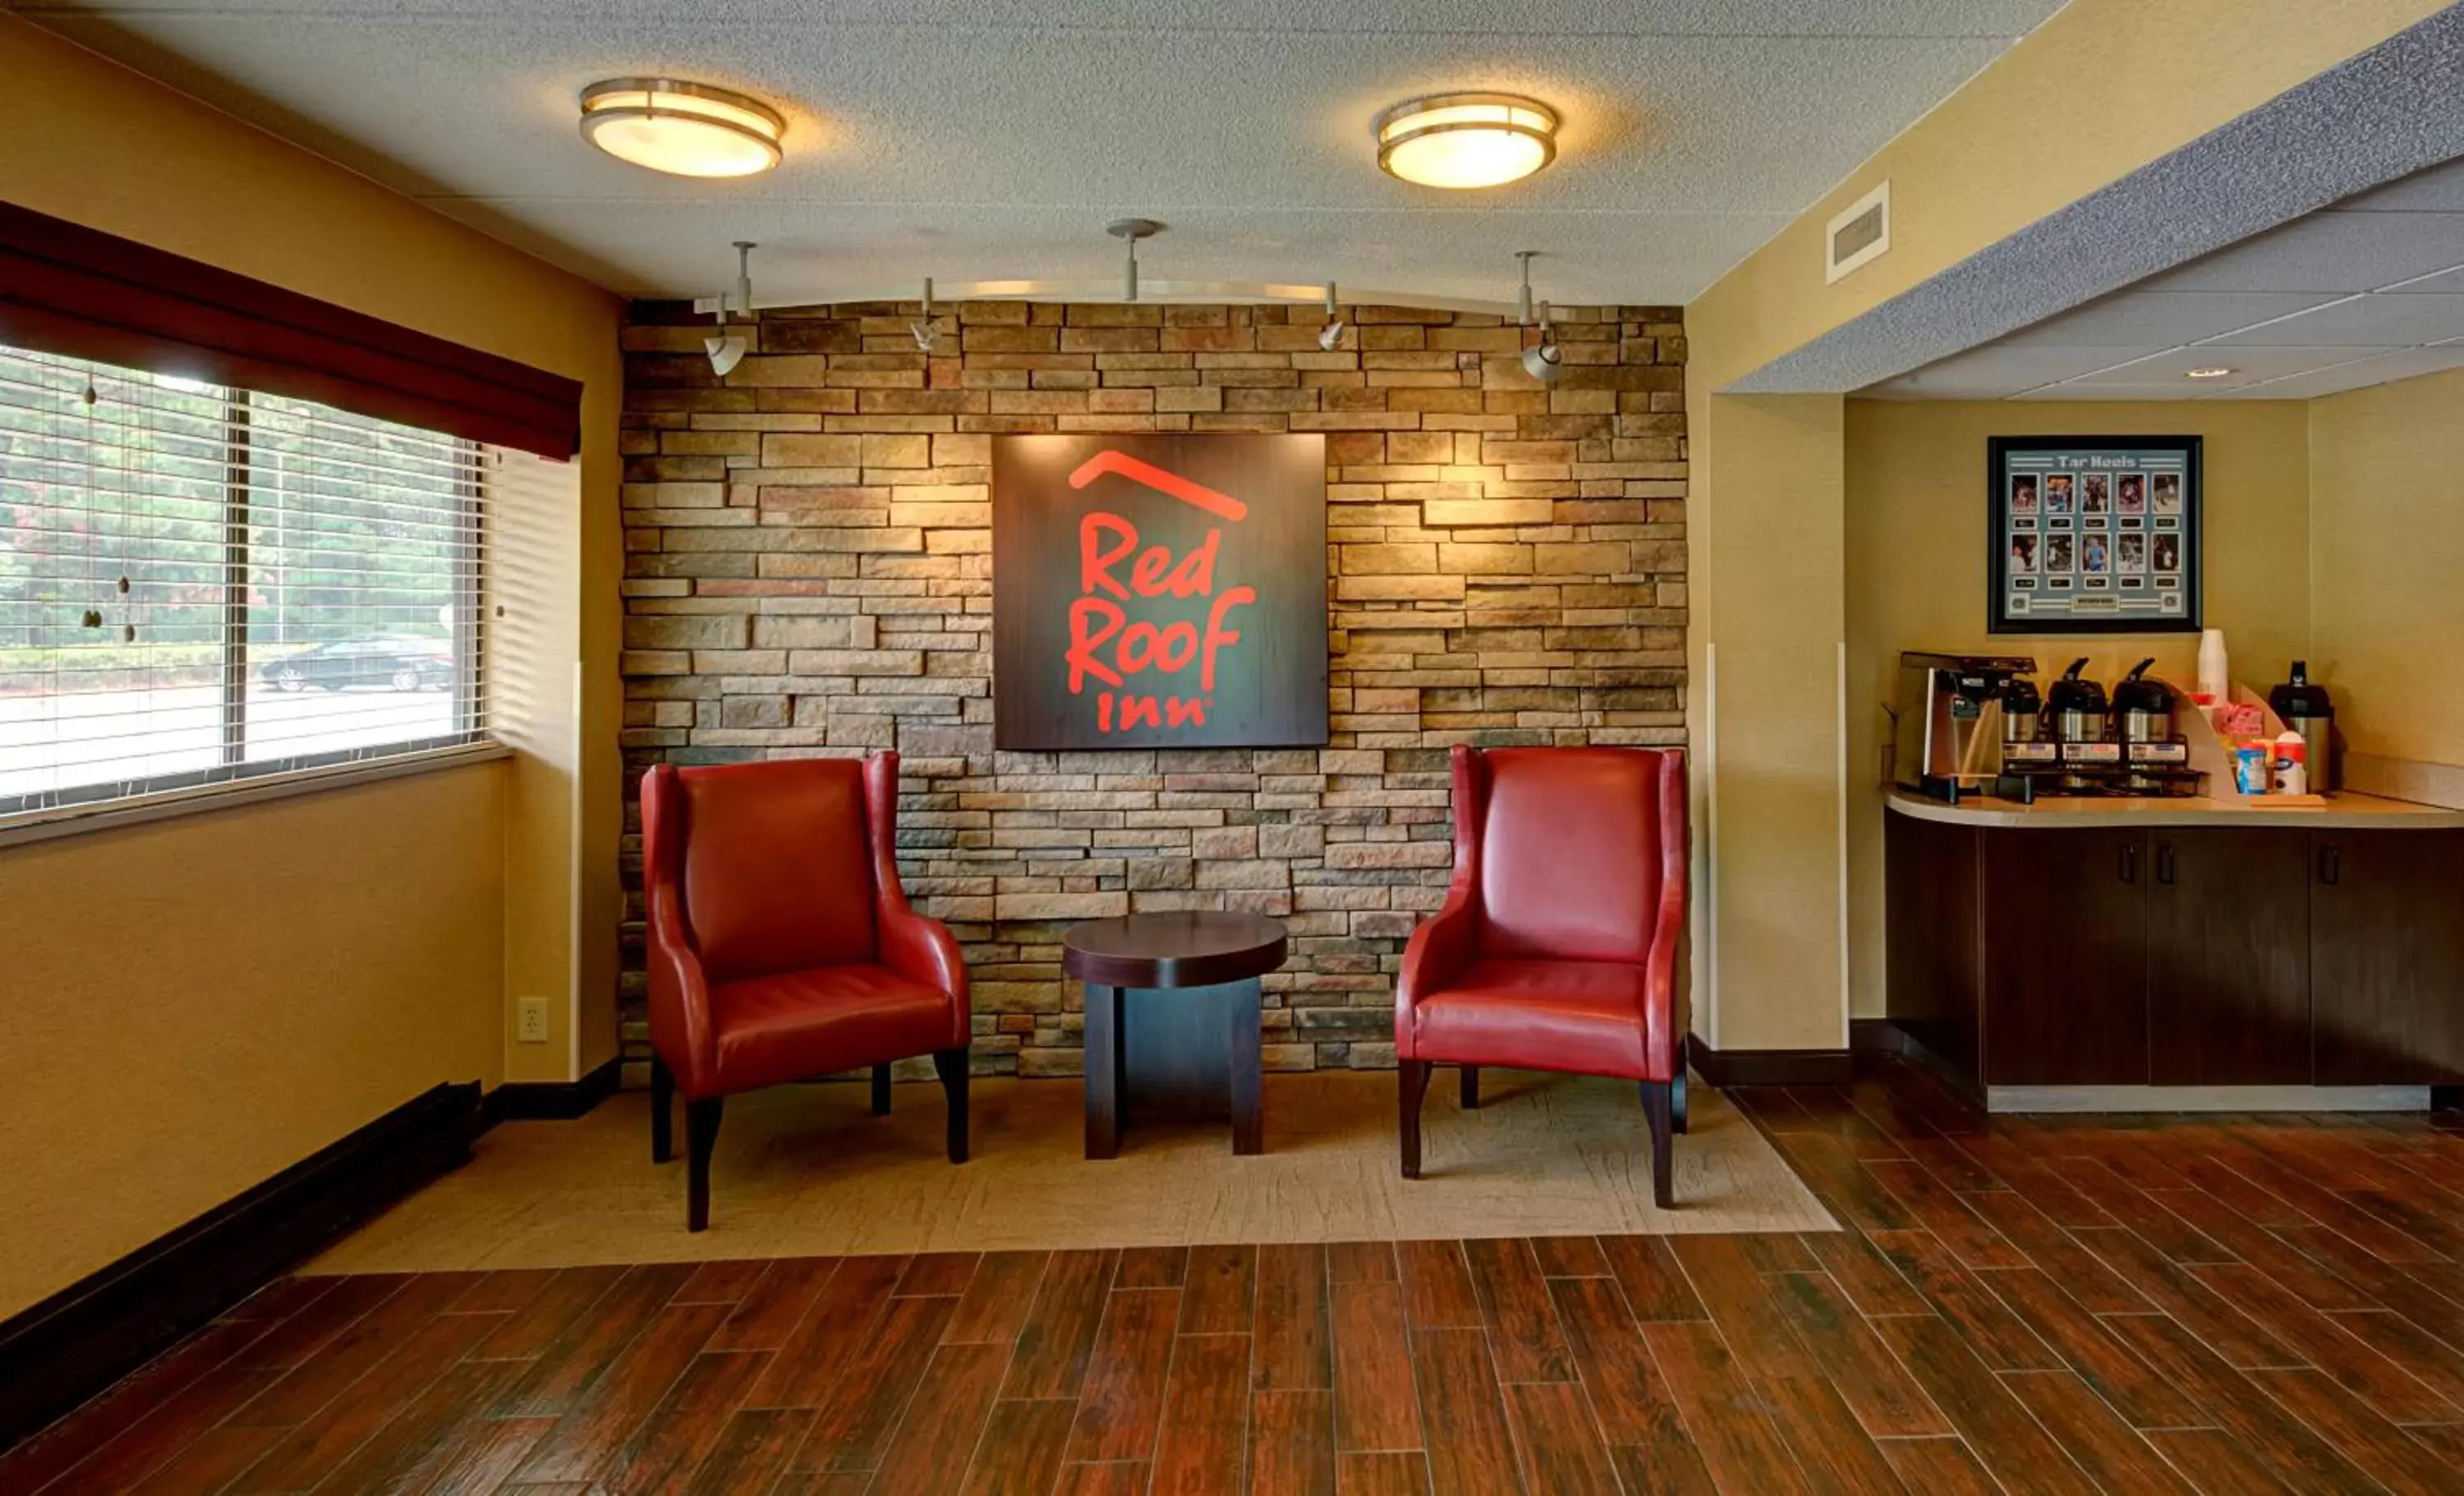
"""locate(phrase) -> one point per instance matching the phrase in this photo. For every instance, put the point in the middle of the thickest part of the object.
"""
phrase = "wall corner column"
(1767, 570)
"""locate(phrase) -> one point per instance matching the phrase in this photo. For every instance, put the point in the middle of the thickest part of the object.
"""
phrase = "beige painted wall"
(1764, 644)
(2386, 511)
(194, 1005)
(1916, 526)
(1968, 174)
(190, 1006)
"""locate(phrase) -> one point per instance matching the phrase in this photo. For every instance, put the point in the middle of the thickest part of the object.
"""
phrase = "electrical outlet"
(530, 1020)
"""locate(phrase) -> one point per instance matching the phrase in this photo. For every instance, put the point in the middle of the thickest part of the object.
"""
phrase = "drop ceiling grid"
(983, 140)
(2367, 291)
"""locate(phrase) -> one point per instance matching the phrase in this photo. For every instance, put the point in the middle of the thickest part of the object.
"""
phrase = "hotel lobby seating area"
(1138, 748)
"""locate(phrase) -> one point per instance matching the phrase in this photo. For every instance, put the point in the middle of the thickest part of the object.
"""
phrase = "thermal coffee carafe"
(2078, 707)
(2306, 710)
(2022, 707)
(2143, 709)
(2082, 723)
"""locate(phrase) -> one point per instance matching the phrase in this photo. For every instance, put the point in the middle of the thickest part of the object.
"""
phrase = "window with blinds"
(199, 583)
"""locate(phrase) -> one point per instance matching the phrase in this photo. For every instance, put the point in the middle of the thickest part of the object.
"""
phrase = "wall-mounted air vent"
(1857, 235)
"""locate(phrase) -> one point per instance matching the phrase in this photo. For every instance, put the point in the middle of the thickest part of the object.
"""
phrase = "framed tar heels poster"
(2092, 535)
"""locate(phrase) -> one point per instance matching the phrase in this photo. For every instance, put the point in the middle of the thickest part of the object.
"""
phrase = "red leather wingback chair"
(781, 946)
(1556, 948)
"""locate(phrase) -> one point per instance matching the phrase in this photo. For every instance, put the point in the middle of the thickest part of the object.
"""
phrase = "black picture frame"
(2080, 457)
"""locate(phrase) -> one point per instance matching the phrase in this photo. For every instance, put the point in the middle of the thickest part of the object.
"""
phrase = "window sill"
(43, 825)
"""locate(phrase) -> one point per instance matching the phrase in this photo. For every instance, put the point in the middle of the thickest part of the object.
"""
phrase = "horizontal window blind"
(201, 583)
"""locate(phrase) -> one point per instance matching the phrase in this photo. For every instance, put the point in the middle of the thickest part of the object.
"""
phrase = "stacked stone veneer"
(808, 570)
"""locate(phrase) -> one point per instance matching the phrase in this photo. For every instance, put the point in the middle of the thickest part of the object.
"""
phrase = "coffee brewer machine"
(1949, 729)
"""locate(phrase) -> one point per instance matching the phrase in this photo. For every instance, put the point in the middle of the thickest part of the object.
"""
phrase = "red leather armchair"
(781, 946)
(1556, 948)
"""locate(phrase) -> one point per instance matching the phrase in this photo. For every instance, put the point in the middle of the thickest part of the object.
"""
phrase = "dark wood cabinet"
(1930, 950)
(2386, 958)
(2066, 955)
(2229, 957)
(2244, 955)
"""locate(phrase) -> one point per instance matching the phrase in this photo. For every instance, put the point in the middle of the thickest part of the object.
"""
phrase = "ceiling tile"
(1998, 369)
(2404, 364)
(2332, 250)
(2179, 390)
(2158, 318)
(2448, 283)
(2438, 189)
(2368, 322)
(2249, 366)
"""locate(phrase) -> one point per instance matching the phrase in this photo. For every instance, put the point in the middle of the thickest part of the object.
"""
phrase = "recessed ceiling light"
(2218, 371)
(685, 129)
(1467, 140)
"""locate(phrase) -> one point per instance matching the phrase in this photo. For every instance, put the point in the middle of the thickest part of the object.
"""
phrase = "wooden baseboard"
(553, 1101)
(1721, 1067)
(71, 1346)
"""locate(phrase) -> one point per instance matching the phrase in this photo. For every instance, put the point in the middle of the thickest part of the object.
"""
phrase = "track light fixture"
(1331, 333)
(926, 332)
(1540, 360)
(726, 352)
(1132, 229)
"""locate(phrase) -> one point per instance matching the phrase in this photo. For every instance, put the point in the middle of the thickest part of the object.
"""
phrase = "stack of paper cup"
(2216, 676)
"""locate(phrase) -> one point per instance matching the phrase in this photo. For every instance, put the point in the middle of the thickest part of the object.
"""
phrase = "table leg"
(1103, 1071)
(1248, 1107)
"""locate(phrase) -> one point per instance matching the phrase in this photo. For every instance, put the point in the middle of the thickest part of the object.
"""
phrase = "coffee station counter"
(2342, 812)
(2179, 953)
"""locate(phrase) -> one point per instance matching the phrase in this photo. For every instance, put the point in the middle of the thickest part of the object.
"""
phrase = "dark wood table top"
(1183, 947)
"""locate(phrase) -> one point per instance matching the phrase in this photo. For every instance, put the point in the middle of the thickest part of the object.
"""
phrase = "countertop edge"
(2349, 813)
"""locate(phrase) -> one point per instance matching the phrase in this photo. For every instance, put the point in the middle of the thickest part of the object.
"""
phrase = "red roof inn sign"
(1159, 591)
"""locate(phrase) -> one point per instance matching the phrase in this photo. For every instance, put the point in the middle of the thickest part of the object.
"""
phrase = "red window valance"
(80, 293)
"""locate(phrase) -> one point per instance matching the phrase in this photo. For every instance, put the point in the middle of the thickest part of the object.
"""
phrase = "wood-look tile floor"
(2220, 1305)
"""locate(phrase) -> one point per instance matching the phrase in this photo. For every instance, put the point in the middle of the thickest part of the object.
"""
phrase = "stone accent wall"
(809, 571)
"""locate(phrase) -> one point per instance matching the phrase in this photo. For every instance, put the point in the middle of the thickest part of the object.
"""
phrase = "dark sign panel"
(1159, 591)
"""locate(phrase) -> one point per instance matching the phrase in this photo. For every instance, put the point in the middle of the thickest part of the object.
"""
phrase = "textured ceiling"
(990, 139)
(2364, 292)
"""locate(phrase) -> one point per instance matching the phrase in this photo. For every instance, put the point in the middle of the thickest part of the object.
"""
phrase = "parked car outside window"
(401, 663)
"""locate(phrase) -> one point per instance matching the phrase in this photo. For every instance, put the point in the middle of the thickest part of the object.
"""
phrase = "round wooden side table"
(1171, 1019)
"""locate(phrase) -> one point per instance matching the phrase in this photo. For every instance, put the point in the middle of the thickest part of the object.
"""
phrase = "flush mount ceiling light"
(1467, 140)
(2217, 371)
(685, 129)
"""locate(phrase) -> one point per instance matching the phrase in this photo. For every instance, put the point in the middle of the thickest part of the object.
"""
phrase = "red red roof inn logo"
(1159, 590)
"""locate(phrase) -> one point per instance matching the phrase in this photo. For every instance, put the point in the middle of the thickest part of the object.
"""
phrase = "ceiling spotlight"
(1540, 360)
(2217, 371)
(726, 352)
(1467, 140)
(1331, 333)
(926, 332)
(1132, 229)
(685, 129)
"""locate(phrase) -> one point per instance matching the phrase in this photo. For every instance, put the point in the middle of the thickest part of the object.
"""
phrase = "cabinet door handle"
(2331, 867)
(2130, 862)
(2164, 862)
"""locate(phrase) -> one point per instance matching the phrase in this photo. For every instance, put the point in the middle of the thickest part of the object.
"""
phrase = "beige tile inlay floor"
(806, 1170)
